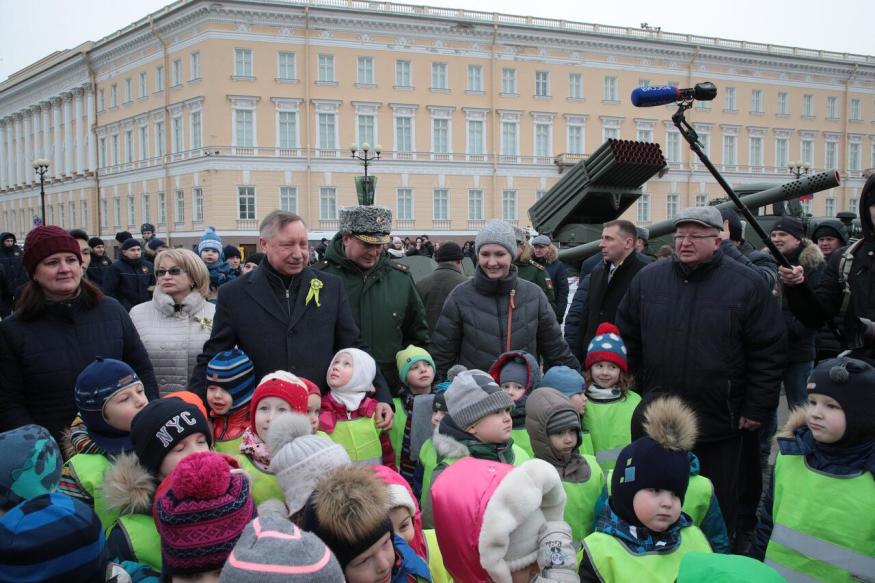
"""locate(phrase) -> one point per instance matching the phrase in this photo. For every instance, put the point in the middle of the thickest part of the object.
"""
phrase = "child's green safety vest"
(360, 438)
(609, 425)
(89, 469)
(581, 499)
(264, 484)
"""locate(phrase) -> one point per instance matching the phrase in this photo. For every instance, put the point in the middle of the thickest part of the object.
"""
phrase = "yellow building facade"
(210, 113)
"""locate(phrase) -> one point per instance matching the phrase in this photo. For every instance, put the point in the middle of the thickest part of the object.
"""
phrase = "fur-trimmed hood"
(796, 420)
(448, 447)
(531, 363)
(811, 257)
(128, 486)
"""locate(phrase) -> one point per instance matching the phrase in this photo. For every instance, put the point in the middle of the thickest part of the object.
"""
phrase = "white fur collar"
(191, 305)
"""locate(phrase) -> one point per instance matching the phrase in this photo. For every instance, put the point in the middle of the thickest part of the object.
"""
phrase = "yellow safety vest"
(581, 498)
(264, 484)
(522, 440)
(231, 447)
(89, 469)
(439, 573)
(360, 438)
(143, 538)
(824, 525)
(396, 432)
(609, 424)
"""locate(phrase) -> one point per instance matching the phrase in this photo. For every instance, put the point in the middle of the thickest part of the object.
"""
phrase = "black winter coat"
(434, 289)
(97, 270)
(800, 338)
(11, 260)
(713, 336)
(129, 281)
(41, 359)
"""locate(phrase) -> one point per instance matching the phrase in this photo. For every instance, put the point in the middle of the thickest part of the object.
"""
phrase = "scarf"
(640, 539)
(406, 463)
(255, 449)
(518, 413)
(832, 459)
(597, 393)
(81, 442)
(496, 452)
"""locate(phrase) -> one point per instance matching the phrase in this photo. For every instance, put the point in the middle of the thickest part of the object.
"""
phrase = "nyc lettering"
(176, 423)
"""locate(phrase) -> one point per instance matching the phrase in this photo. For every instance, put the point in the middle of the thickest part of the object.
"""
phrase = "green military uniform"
(535, 273)
(385, 303)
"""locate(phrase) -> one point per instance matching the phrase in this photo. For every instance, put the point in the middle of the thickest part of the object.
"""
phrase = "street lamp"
(798, 169)
(363, 152)
(41, 166)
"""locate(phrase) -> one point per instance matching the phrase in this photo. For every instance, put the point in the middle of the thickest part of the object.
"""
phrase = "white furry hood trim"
(671, 424)
(530, 495)
(448, 447)
(811, 257)
(128, 486)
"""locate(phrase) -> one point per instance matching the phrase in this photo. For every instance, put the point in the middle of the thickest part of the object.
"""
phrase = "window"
(671, 206)
(852, 204)
(783, 104)
(440, 136)
(131, 210)
(756, 151)
(730, 150)
(508, 205)
(808, 105)
(288, 129)
(101, 153)
(159, 78)
(117, 211)
(115, 156)
(113, 95)
(61, 218)
(147, 211)
(807, 151)
(246, 203)
(159, 139)
(702, 199)
(475, 78)
(439, 76)
(402, 74)
(404, 204)
(856, 114)
(403, 134)
(144, 142)
(365, 129)
(441, 204)
(327, 203)
(289, 199)
(197, 204)
(756, 101)
(575, 139)
(705, 141)
(244, 128)
(326, 69)
(162, 209)
(542, 83)
(644, 135)
(84, 211)
(509, 138)
(782, 152)
(475, 137)
(243, 63)
(832, 108)
(610, 89)
(180, 207)
(176, 71)
(831, 155)
(129, 90)
(854, 157)
(644, 208)
(610, 133)
(327, 131)
(543, 139)
(365, 70)
(176, 144)
(101, 101)
(475, 205)
(643, 82)
(672, 147)
(286, 68)
(194, 63)
(196, 132)
(129, 146)
(508, 81)
(575, 86)
(830, 206)
(143, 85)
(729, 99)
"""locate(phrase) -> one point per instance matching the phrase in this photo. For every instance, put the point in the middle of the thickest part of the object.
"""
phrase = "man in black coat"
(436, 286)
(99, 261)
(707, 329)
(130, 279)
(285, 315)
(16, 276)
(600, 292)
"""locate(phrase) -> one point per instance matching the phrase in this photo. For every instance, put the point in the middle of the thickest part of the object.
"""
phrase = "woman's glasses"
(174, 271)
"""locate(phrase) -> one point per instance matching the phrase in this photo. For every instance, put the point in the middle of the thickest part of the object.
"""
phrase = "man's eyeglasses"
(174, 271)
(693, 238)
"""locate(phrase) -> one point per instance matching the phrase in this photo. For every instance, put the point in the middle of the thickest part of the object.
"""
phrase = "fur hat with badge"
(370, 224)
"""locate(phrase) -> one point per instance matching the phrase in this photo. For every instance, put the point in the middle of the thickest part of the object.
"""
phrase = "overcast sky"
(31, 30)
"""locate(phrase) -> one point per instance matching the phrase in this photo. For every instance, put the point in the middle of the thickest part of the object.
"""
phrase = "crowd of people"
(316, 414)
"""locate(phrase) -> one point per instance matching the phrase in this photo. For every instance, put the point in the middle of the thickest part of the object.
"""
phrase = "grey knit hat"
(299, 458)
(498, 232)
(371, 224)
(473, 395)
(272, 548)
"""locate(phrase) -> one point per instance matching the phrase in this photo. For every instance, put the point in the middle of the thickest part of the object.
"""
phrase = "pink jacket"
(392, 478)
(458, 498)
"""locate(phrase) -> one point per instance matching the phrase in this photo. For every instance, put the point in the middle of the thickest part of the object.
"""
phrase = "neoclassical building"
(215, 113)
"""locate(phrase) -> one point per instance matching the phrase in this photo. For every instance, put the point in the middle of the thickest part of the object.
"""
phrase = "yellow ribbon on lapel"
(315, 285)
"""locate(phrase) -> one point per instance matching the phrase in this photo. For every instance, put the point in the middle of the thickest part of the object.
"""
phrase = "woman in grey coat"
(495, 312)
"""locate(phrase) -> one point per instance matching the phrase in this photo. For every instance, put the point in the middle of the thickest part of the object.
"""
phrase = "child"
(350, 512)
(518, 374)
(299, 459)
(274, 550)
(201, 515)
(30, 465)
(314, 405)
(498, 523)
(347, 414)
(554, 428)
(610, 402)
(210, 250)
(570, 383)
(230, 384)
(416, 371)
(109, 395)
(641, 534)
(163, 433)
(817, 521)
(278, 393)
(426, 461)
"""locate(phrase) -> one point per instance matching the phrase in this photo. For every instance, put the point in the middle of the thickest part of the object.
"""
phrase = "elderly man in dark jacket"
(707, 329)
(130, 279)
(436, 286)
(286, 315)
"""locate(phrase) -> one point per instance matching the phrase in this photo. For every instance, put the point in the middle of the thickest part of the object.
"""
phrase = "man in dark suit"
(286, 315)
(599, 294)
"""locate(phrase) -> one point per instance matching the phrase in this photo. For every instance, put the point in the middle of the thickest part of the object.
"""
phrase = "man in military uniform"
(385, 303)
(531, 270)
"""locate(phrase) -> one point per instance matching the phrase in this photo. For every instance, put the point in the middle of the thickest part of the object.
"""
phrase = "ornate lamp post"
(365, 185)
(41, 166)
(798, 169)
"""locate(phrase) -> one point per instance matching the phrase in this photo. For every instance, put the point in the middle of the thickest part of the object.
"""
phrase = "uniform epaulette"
(536, 264)
(400, 266)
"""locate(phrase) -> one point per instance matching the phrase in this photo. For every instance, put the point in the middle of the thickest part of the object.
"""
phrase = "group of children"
(505, 475)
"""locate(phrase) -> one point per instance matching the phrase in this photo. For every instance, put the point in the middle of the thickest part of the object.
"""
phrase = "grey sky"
(31, 30)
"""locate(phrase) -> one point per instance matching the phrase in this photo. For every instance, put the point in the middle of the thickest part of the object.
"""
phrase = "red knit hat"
(607, 346)
(44, 241)
(283, 385)
(312, 388)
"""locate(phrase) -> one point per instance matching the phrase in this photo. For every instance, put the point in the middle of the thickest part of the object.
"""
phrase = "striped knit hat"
(233, 371)
(51, 538)
(201, 515)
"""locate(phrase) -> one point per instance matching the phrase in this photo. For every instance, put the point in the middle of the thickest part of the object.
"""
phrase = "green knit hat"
(406, 358)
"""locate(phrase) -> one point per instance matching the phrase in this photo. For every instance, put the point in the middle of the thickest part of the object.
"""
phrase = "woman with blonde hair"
(178, 320)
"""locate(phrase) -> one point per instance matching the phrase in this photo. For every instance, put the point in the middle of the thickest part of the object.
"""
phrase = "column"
(68, 134)
(89, 131)
(10, 152)
(28, 148)
(57, 157)
(46, 152)
(36, 116)
(19, 151)
(4, 168)
(80, 135)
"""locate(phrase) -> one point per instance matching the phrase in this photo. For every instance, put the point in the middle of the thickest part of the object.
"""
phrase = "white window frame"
(159, 78)
(403, 73)
(286, 66)
(235, 138)
(179, 207)
(570, 139)
(404, 202)
(246, 194)
(542, 84)
(440, 200)
(327, 202)
(287, 193)
(365, 70)
(509, 201)
(244, 63)
(475, 79)
(575, 86)
(196, 129)
(610, 89)
(197, 204)
(730, 99)
(282, 136)
(509, 81)
(194, 64)
(325, 68)
(162, 209)
(144, 84)
(808, 105)
(440, 76)
(177, 72)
